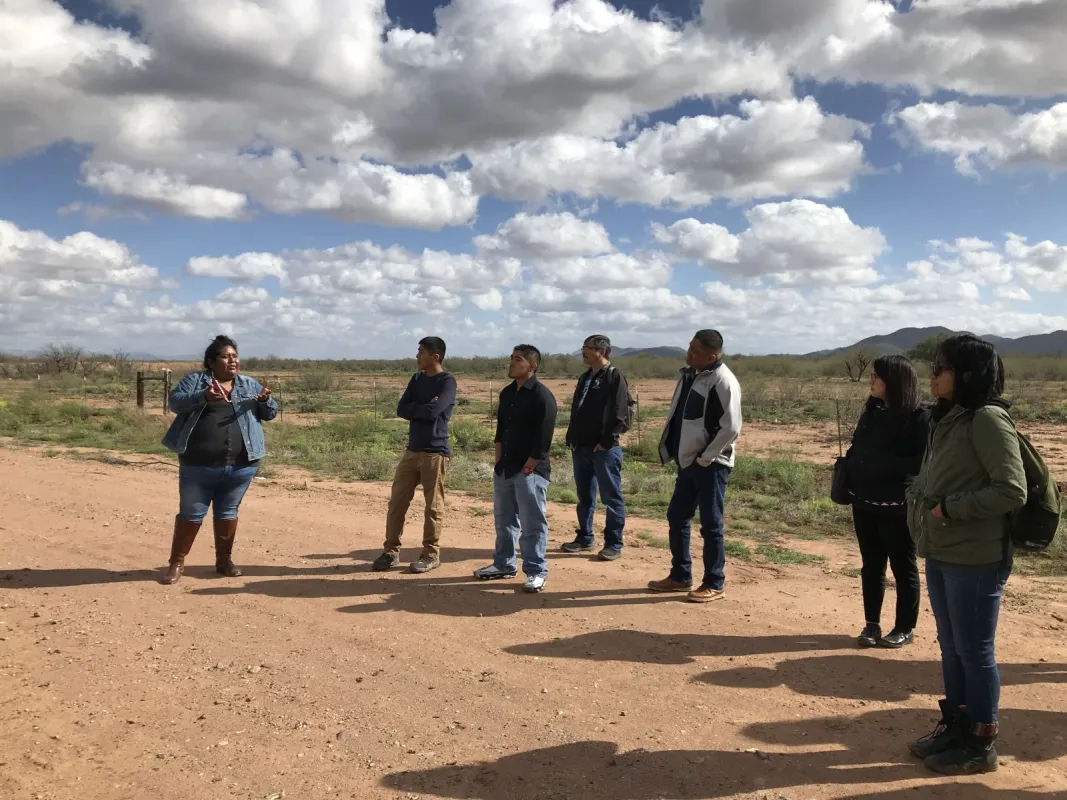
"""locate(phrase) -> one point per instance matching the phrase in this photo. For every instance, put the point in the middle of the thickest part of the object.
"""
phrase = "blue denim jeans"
(701, 488)
(222, 488)
(521, 521)
(601, 469)
(965, 599)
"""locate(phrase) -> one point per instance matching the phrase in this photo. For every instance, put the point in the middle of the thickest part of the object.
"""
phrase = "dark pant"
(702, 488)
(883, 536)
(599, 469)
(965, 599)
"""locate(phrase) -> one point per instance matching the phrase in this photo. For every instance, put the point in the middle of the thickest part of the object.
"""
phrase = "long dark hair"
(977, 368)
(214, 350)
(901, 383)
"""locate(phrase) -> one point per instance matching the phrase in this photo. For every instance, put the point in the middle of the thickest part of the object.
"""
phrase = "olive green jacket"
(973, 467)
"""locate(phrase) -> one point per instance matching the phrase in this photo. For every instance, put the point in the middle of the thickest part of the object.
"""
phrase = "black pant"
(884, 536)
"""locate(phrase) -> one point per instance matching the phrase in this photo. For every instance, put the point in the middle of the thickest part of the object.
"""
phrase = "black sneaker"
(896, 639)
(385, 562)
(576, 547)
(425, 563)
(947, 734)
(870, 635)
(973, 755)
(609, 554)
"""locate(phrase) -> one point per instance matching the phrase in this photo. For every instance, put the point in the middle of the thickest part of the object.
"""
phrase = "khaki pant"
(415, 468)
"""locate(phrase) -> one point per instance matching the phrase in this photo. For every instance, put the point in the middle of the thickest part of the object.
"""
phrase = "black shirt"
(216, 441)
(525, 423)
(886, 453)
(428, 428)
(674, 433)
(599, 418)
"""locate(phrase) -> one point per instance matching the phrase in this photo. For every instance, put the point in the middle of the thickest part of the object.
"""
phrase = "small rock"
(36, 614)
(223, 743)
(622, 713)
(697, 759)
(341, 735)
(254, 670)
(220, 666)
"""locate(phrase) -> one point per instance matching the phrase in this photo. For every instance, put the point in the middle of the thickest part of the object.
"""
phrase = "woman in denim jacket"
(219, 441)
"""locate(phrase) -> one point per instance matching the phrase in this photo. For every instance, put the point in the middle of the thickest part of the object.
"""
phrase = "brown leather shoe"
(669, 585)
(705, 594)
(184, 535)
(225, 533)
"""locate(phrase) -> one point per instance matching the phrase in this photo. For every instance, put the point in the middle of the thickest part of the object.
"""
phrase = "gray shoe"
(576, 547)
(493, 572)
(609, 554)
(534, 584)
(385, 562)
(425, 563)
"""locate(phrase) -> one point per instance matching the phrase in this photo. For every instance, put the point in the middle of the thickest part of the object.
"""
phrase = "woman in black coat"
(886, 453)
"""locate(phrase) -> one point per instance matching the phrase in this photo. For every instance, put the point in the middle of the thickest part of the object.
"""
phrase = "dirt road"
(312, 677)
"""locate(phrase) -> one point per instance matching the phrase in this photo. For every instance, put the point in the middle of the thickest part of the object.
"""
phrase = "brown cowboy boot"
(225, 532)
(184, 535)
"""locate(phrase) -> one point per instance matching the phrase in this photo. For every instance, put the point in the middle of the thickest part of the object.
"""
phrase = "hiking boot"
(609, 554)
(493, 572)
(225, 533)
(182, 542)
(669, 585)
(896, 639)
(385, 562)
(947, 734)
(534, 584)
(705, 594)
(870, 635)
(973, 754)
(425, 563)
(577, 546)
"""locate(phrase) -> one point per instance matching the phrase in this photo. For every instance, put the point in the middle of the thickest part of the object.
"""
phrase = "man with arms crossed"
(703, 423)
(427, 404)
(598, 418)
(526, 420)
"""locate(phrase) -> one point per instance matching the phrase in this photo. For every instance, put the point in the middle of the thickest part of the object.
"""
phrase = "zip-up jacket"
(601, 417)
(973, 469)
(709, 418)
(886, 453)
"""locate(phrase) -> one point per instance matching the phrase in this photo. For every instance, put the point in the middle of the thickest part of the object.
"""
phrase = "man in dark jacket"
(598, 418)
(427, 404)
(526, 420)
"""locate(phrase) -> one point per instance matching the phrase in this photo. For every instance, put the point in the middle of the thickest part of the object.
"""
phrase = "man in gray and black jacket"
(599, 415)
(703, 424)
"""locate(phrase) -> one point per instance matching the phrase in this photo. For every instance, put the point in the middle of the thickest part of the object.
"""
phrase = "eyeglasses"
(937, 368)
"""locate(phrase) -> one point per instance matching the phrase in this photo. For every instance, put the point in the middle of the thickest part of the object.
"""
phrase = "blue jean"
(601, 469)
(965, 599)
(521, 521)
(701, 488)
(221, 487)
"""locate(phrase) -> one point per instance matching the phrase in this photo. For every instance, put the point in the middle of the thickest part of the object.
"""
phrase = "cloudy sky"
(340, 177)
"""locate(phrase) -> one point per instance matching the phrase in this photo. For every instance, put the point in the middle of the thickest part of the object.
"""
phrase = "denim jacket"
(187, 401)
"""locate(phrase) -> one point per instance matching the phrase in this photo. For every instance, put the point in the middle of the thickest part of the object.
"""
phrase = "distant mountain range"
(1043, 344)
(656, 352)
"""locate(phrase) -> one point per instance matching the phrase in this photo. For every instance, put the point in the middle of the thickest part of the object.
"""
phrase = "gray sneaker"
(609, 554)
(534, 584)
(425, 563)
(493, 572)
(385, 562)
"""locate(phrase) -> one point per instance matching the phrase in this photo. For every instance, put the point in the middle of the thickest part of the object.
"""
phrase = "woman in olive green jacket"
(958, 511)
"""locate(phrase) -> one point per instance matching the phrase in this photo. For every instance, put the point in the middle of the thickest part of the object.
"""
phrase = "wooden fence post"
(637, 410)
(140, 389)
(490, 401)
(374, 389)
(166, 392)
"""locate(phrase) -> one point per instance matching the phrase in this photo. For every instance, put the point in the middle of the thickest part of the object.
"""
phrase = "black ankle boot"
(948, 733)
(974, 754)
(870, 635)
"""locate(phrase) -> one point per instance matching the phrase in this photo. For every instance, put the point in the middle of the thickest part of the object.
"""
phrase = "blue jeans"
(599, 469)
(221, 487)
(521, 521)
(965, 599)
(703, 488)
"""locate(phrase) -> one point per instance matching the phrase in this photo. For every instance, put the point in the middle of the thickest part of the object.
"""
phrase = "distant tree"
(856, 363)
(59, 358)
(925, 350)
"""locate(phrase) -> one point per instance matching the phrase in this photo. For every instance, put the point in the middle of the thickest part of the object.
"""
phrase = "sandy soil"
(312, 677)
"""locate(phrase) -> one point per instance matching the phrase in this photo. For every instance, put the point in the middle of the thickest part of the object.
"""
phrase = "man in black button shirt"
(526, 420)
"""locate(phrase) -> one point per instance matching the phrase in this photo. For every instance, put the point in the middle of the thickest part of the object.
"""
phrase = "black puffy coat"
(886, 454)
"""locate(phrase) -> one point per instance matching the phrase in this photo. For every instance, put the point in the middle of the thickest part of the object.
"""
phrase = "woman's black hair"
(214, 350)
(977, 368)
(901, 383)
